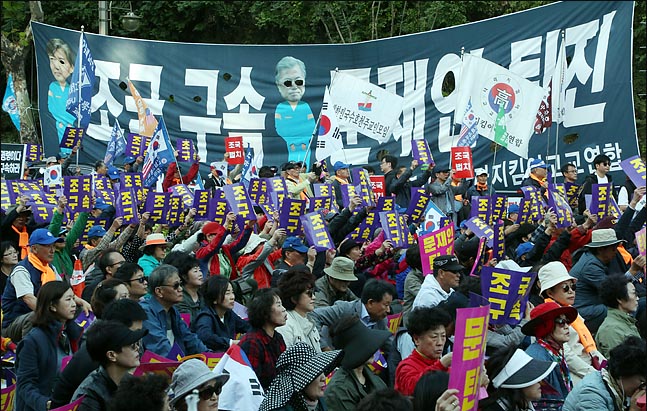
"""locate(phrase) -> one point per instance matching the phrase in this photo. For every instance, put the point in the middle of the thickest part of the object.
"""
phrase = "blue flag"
(199, 182)
(159, 155)
(82, 84)
(9, 103)
(469, 131)
(116, 145)
(247, 165)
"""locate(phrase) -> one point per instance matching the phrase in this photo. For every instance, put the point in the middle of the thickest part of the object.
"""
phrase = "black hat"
(290, 166)
(359, 344)
(347, 245)
(107, 335)
(448, 263)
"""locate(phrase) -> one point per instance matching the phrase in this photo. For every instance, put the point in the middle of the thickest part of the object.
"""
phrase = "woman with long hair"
(40, 353)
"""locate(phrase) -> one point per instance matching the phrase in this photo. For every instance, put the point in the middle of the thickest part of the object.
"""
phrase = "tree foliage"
(292, 22)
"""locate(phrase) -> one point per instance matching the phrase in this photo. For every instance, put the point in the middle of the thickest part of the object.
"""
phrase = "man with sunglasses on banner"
(293, 118)
(600, 175)
(166, 328)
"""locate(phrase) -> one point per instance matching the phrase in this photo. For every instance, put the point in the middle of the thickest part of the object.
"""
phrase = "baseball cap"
(480, 171)
(129, 160)
(448, 262)
(537, 163)
(113, 173)
(42, 236)
(524, 248)
(290, 166)
(100, 203)
(339, 165)
(295, 243)
(51, 159)
(110, 335)
(96, 231)
(513, 208)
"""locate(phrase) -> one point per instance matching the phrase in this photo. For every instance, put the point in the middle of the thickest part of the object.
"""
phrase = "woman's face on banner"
(60, 66)
(292, 84)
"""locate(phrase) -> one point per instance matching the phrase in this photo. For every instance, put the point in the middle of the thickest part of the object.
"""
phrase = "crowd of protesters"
(309, 315)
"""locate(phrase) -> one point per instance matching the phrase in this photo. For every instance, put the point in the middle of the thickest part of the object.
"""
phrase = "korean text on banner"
(421, 152)
(329, 139)
(378, 186)
(137, 144)
(481, 229)
(234, 149)
(365, 107)
(78, 191)
(600, 194)
(239, 201)
(72, 137)
(290, 216)
(634, 167)
(185, 150)
(462, 162)
(316, 231)
(157, 204)
(468, 357)
(439, 242)
(490, 88)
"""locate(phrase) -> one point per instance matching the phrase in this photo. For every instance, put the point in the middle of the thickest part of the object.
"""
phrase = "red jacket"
(261, 274)
(170, 180)
(207, 254)
(411, 369)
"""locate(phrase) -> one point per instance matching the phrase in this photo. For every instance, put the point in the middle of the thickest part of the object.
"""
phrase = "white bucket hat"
(552, 274)
(603, 237)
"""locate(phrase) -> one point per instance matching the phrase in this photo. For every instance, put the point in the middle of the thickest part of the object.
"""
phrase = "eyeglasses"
(571, 171)
(568, 287)
(173, 286)
(605, 164)
(298, 83)
(309, 292)
(140, 280)
(117, 263)
(561, 321)
(208, 392)
(135, 346)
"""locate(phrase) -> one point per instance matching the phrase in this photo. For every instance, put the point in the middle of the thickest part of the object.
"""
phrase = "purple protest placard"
(498, 242)
(136, 145)
(634, 167)
(481, 229)
(174, 213)
(290, 216)
(268, 210)
(323, 190)
(536, 202)
(201, 204)
(498, 206)
(85, 320)
(218, 209)
(185, 150)
(316, 231)
(182, 191)
(560, 206)
(43, 213)
(157, 204)
(571, 192)
(421, 152)
(468, 354)
(500, 287)
(600, 194)
(320, 203)
(439, 242)
(385, 203)
(33, 153)
(278, 191)
(390, 221)
(71, 137)
(363, 186)
(258, 191)
(641, 241)
(478, 260)
(126, 206)
(78, 191)
(417, 206)
(481, 208)
(239, 201)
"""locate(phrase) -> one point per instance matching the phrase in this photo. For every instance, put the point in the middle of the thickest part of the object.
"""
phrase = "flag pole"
(314, 132)
(561, 83)
(78, 114)
(451, 129)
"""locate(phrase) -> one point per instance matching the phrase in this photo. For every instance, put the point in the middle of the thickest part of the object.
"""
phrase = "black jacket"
(98, 389)
(587, 187)
(401, 187)
(79, 367)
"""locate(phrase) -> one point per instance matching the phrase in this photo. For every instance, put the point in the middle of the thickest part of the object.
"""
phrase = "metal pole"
(103, 17)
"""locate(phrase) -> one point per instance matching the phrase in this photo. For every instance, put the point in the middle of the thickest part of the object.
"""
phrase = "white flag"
(558, 102)
(242, 392)
(489, 86)
(329, 137)
(53, 176)
(365, 107)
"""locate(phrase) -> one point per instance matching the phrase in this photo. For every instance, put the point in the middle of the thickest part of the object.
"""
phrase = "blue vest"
(13, 307)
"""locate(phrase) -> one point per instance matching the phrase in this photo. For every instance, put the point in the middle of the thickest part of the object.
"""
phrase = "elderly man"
(537, 177)
(341, 178)
(26, 279)
(298, 183)
(372, 309)
(164, 324)
(333, 286)
(439, 286)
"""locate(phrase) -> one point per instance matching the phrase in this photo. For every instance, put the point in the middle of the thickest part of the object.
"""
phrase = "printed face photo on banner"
(267, 99)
